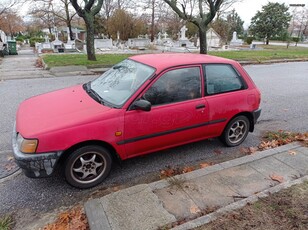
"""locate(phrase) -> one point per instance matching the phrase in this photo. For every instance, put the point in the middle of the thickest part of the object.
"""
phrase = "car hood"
(57, 110)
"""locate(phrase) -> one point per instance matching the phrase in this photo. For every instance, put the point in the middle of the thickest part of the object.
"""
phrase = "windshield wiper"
(92, 93)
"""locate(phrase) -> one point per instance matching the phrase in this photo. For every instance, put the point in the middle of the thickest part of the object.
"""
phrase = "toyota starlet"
(143, 104)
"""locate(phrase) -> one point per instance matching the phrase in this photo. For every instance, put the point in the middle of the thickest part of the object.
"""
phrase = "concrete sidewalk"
(222, 187)
(22, 66)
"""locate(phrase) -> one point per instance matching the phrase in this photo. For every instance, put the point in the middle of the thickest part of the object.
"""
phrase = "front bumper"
(35, 165)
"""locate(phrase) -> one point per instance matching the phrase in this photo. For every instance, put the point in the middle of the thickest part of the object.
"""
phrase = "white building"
(213, 39)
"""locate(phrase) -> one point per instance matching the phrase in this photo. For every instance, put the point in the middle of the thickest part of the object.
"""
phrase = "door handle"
(200, 106)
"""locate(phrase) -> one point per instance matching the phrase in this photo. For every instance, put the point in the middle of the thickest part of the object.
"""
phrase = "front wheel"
(236, 131)
(87, 166)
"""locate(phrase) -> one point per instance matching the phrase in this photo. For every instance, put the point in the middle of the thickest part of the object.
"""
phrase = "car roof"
(165, 60)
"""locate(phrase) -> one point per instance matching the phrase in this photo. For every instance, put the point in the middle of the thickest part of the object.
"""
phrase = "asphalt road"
(284, 103)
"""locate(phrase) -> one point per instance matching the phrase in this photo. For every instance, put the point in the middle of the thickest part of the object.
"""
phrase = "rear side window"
(221, 78)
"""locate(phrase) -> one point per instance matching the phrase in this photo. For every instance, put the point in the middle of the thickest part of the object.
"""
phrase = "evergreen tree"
(271, 21)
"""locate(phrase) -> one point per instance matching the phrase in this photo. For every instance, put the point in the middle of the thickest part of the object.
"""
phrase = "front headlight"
(26, 145)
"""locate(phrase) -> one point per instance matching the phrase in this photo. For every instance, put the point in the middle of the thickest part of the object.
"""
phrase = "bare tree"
(67, 17)
(51, 12)
(299, 22)
(152, 4)
(207, 10)
(125, 23)
(43, 11)
(8, 5)
(226, 7)
(109, 6)
(88, 12)
(11, 23)
(305, 25)
(153, 11)
(174, 24)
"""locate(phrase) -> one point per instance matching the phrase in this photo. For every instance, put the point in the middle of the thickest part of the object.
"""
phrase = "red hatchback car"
(144, 104)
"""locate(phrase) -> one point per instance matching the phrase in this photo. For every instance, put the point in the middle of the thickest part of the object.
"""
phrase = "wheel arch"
(250, 118)
(115, 156)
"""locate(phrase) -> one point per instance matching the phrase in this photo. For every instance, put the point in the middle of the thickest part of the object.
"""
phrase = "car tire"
(87, 166)
(236, 131)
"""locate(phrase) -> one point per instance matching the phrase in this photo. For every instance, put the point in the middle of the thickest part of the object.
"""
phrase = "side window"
(174, 86)
(220, 78)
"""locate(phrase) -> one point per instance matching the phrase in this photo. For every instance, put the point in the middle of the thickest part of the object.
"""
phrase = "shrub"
(33, 40)
(249, 40)
(295, 39)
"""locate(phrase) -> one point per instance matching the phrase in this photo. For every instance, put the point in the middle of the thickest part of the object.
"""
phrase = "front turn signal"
(27, 145)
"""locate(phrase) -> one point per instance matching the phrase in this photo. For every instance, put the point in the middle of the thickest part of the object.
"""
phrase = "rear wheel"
(236, 131)
(87, 166)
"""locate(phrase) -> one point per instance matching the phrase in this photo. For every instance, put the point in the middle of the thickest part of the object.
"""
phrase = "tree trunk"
(70, 30)
(202, 37)
(267, 41)
(152, 20)
(89, 20)
(68, 21)
(88, 14)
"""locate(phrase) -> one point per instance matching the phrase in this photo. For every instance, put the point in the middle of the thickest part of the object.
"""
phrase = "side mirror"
(141, 104)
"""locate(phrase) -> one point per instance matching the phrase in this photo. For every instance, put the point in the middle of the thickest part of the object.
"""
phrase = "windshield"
(120, 82)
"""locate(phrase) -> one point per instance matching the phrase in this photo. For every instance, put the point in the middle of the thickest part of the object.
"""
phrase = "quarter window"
(175, 86)
(221, 78)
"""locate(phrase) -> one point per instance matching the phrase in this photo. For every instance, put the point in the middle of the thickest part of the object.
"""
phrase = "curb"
(45, 66)
(225, 165)
(273, 61)
(237, 205)
(99, 219)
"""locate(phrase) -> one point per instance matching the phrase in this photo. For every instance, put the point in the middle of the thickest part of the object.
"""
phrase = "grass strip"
(265, 53)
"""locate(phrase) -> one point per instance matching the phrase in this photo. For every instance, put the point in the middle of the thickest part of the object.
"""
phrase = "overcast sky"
(248, 8)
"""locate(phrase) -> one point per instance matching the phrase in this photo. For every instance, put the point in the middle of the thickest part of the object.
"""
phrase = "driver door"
(178, 114)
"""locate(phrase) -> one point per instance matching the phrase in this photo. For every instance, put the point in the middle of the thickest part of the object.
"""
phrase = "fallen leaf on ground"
(10, 158)
(252, 150)
(64, 217)
(167, 173)
(302, 137)
(74, 219)
(277, 178)
(293, 153)
(187, 169)
(194, 209)
(205, 164)
(268, 144)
